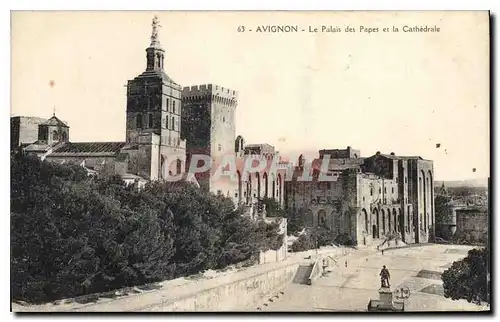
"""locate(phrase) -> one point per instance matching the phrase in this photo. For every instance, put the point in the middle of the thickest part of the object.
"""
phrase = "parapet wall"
(209, 89)
(231, 296)
(231, 292)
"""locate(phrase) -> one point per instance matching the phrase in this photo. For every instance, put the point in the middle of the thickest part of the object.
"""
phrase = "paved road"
(350, 288)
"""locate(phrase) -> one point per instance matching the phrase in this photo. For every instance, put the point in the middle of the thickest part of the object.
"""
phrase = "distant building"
(446, 220)
(24, 130)
(366, 198)
(472, 224)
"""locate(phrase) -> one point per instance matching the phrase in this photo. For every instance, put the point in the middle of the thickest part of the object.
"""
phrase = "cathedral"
(153, 147)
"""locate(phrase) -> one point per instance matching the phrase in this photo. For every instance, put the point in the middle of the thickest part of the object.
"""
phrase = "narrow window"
(150, 120)
(138, 121)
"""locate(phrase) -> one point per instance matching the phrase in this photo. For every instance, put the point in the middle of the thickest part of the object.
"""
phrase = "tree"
(73, 235)
(273, 208)
(469, 278)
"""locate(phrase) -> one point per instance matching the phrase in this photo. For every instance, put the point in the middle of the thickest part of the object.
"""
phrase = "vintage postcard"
(196, 161)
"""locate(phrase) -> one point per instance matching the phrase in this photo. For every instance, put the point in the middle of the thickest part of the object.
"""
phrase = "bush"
(295, 220)
(469, 278)
(344, 240)
(73, 235)
(303, 243)
(314, 239)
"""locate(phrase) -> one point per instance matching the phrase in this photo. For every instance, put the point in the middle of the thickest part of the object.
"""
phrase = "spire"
(155, 54)
(54, 111)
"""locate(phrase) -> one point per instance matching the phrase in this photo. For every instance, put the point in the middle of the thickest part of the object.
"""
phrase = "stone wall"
(226, 297)
(472, 224)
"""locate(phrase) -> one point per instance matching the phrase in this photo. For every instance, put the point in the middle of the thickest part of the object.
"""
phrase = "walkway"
(350, 288)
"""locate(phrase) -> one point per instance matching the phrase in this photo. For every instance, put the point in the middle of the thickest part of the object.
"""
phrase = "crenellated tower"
(209, 125)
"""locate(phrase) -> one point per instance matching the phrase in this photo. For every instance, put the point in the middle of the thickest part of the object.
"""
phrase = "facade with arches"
(368, 199)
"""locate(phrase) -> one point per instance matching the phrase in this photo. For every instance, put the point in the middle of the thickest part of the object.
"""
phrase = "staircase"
(302, 275)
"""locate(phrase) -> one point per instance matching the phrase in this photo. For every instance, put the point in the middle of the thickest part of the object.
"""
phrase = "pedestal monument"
(385, 303)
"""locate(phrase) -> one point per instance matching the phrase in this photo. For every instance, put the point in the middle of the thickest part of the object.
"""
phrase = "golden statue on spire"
(156, 25)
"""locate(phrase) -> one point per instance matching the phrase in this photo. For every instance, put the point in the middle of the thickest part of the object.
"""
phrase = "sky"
(398, 92)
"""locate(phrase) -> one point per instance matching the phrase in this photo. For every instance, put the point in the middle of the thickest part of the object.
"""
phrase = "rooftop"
(54, 121)
(89, 148)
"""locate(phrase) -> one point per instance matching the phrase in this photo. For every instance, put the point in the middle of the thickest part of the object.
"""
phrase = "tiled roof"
(90, 148)
(54, 121)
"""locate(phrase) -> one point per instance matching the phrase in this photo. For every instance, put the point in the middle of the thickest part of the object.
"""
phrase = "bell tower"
(154, 112)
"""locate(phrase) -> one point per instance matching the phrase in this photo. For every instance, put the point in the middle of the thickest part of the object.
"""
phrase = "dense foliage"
(469, 278)
(316, 238)
(74, 235)
(295, 220)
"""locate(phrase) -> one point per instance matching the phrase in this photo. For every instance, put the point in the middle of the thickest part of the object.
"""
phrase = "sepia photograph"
(250, 161)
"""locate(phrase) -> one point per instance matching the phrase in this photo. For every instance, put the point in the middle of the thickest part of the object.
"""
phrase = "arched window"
(173, 123)
(64, 136)
(173, 106)
(179, 166)
(138, 121)
(365, 218)
(55, 136)
(150, 120)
